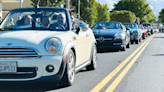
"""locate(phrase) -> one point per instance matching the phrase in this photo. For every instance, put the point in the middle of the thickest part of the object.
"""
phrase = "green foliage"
(103, 14)
(92, 11)
(123, 16)
(88, 10)
(161, 16)
(45, 2)
(139, 7)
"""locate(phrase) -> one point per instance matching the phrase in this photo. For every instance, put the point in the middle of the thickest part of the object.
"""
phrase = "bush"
(123, 16)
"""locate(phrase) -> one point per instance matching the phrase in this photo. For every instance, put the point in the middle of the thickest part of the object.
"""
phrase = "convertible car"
(144, 31)
(35, 45)
(111, 35)
(135, 32)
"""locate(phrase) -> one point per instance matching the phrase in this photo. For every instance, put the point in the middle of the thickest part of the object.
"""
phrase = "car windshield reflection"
(107, 25)
(36, 19)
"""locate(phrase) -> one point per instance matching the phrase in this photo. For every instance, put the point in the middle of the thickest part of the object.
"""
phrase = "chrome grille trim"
(10, 49)
(109, 39)
(18, 53)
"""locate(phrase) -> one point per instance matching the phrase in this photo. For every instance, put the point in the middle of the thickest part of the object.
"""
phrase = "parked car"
(111, 35)
(36, 49)
(156, 29)
(149, 27)
(135, 32)
(144, 31)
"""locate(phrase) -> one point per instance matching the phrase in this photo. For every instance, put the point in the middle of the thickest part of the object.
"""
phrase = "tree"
(161, 16)
(48, 2)
(88, 10)
(139, 7)
(123, 16)
(103, 14)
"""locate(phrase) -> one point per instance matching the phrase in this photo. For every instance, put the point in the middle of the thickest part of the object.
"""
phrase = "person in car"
(46, 21)
(25, 22)
(61, 20)
(12, 21)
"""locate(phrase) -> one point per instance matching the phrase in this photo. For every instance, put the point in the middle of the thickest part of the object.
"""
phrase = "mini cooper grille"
(10, 53)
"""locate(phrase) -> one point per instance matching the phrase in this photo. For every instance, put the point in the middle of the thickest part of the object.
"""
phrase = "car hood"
(107, 33)
(32, 39)
(24, 38)
(133, 30)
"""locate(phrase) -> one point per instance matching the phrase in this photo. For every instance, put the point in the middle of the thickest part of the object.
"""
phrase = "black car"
(111, 35)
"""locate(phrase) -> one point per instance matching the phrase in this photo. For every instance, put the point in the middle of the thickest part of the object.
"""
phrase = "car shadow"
(158, 37)
(158, 55)
(106, 51)
(29, 86)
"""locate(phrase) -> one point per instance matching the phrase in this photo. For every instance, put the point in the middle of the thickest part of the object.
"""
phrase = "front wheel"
(124, 48)
(144, 36)
(140, 40)
(93, 64)
(137, 41)
(68, 77)
(128, 46)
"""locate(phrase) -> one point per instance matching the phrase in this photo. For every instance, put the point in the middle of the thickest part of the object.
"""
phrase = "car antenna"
(37, 6)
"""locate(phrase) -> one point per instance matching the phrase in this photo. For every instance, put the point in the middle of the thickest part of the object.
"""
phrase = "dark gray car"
(111, 35)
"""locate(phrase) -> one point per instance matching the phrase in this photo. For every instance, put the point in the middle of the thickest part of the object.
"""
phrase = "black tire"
(140, 40)
(66, 81)
(93, 64)
(128, 45)
(124, 48)
(144, 36)
(136, 41)
(152, 32)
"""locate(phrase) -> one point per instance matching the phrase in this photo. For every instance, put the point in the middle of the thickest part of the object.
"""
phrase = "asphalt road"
(143, 72)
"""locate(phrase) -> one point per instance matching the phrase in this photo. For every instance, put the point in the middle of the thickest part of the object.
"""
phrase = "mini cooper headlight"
(53, 45)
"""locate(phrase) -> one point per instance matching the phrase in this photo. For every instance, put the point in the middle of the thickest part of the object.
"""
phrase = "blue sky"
(156, 5)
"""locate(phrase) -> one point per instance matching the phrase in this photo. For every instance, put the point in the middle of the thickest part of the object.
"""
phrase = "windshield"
(36, 19)
(140, 26)
(107, 25)
(146, 25)
(130, 25)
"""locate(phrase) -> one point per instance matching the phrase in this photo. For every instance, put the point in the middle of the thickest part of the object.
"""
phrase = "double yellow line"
(118, 68)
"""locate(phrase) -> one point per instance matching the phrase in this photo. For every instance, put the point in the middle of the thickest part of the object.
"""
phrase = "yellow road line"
(99, 86)
(122, 74)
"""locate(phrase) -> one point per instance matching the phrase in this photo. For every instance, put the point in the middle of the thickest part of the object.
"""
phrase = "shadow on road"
(28, 86)
(158, 55)
(106, 51)
(158, 37)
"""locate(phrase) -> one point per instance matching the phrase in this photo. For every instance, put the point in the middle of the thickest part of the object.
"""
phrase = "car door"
(83, 43)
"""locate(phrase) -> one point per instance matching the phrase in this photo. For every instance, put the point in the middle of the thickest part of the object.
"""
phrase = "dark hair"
(21, 22)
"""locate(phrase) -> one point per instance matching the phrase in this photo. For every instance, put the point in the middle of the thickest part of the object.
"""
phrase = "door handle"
(87, 35)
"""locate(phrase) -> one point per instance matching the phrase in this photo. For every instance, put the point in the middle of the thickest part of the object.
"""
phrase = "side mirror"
(83, 27)
(127, 28)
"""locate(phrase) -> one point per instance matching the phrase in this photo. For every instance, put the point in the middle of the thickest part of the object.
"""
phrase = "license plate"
(8, 67)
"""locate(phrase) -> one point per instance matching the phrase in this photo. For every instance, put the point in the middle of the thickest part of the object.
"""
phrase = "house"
(8, 5)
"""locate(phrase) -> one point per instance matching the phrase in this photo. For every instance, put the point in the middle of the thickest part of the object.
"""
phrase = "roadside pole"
(79, 9)
(20, 3)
